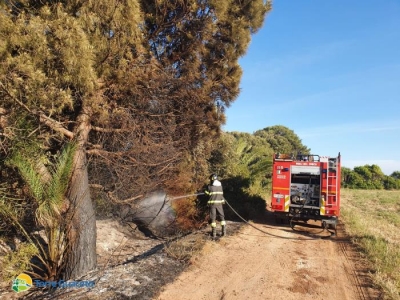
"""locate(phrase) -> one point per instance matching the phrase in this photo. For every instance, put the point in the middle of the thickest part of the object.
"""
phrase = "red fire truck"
(306, 187)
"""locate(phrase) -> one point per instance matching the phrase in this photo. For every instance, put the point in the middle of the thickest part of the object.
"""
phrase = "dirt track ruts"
(271, 261)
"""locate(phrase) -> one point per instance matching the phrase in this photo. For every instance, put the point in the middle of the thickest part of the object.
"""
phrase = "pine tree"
(137, 85)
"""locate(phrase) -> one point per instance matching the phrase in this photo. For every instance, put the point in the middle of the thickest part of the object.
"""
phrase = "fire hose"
(184, 196)
(168, 199)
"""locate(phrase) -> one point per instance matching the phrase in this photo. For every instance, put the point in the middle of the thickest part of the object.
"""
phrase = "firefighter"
(215, 202)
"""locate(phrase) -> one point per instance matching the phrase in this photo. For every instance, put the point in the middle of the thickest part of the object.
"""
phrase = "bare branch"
(97, 186)
(102, 153)
(5, 135)
(56, 126)
(125, 201)
(111, 195)
(94, 146)
(15, 99)
(53, 124)
(111, 130)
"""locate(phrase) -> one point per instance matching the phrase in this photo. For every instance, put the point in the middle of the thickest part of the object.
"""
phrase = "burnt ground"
(131, 264)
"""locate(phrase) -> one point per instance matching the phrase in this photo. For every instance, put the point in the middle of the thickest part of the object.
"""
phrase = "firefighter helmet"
(213, 177)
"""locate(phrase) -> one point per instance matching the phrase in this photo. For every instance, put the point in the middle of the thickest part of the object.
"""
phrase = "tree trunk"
(81, 257)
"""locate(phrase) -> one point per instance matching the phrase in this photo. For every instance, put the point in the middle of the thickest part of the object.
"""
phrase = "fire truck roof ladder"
(332, 178)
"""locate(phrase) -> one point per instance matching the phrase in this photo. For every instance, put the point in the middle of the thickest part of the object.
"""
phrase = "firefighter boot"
(214, 232)
(223, 233)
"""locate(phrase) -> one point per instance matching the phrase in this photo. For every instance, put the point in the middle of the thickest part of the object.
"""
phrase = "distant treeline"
(369, 177)
(250, 156)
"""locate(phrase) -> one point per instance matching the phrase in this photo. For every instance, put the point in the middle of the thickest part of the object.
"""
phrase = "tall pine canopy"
(139, 87)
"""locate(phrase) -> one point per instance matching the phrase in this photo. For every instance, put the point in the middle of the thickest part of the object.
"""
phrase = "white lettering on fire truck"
(281, 176)
(278, 196)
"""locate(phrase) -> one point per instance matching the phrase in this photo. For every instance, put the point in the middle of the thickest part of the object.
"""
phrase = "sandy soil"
(270, 261)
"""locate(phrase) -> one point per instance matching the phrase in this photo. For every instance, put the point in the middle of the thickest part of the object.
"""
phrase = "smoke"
(155, 212)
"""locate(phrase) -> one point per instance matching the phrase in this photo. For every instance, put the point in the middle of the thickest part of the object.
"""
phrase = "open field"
(372, 218)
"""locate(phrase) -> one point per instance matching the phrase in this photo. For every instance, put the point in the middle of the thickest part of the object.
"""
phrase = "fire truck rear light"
(277, 207)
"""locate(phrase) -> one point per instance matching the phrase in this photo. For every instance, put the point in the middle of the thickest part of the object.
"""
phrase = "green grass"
(372, 218)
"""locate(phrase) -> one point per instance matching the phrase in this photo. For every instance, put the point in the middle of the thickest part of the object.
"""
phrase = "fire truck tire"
(277, 219)
(281, 219)
(324, 225)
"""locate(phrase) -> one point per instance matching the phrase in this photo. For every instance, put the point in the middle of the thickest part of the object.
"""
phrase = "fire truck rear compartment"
(305, 194)
(306, 188)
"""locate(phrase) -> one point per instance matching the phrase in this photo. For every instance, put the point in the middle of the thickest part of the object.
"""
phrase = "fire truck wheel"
(324, 225)
(280, 219)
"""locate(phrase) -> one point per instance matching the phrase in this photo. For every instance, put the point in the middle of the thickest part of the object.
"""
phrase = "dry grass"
(372, 218)
(185, 248)
(186, 214)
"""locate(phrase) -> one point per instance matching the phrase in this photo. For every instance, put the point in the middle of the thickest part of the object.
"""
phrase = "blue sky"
(330, 71)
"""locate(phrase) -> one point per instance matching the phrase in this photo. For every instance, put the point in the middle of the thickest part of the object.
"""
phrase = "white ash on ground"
(130, 265)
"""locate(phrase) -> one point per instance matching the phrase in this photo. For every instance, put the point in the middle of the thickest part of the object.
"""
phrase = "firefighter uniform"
(215, 202)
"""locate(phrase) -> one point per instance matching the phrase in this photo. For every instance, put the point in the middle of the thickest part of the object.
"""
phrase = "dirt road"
(270, 262)
(274, 262)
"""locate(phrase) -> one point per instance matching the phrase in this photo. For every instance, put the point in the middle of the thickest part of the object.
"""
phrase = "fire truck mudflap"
(306, 187)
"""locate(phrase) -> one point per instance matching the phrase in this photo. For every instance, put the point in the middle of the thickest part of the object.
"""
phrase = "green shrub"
(15, 263)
